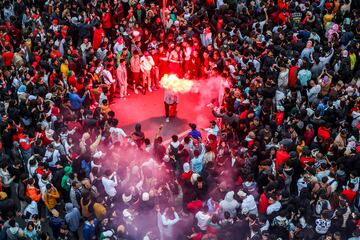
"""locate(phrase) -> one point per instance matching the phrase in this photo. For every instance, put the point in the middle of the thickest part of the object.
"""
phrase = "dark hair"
(30, 224)
(175, 138)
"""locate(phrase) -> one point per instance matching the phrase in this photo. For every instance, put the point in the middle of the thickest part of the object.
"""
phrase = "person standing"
(72, 218)
(135, 70)
(163, 60)
(175, 61)
(51, 197)
(109, 80)
(98, 37)
(109, 182)
(167, 222)
(121, 77)
(155, 73)
(146, 64)
(170, 99)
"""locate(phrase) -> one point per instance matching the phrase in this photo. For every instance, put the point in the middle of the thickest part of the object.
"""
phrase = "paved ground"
(149, 111)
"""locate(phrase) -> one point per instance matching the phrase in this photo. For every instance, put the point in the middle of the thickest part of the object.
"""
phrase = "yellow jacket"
(50, 198)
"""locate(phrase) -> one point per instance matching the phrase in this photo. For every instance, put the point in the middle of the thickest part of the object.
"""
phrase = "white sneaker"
(136, 91)
(149, 89)
(167, 120)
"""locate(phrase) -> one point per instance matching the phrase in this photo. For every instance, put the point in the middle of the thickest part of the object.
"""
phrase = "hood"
(68, 170)
(186, 167)
(69, 207)
(335, 27)
(22, 89)
(175, 144)
(32, 208)
(229, 196)
(14, 230)
(249, 199)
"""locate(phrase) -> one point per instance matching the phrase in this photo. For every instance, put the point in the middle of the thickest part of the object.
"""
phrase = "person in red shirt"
(324, 132)
(293, 74)
(99, 34)
(281, 157)
(106, 21)
(309, 134)
(263, 203)
(283, 4)
(283, 17)
(155, 70)
(186, 175)
(7, 56)
(306, 158)
(349, 192)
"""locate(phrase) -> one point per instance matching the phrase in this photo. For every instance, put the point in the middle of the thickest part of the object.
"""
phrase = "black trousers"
(167, 107)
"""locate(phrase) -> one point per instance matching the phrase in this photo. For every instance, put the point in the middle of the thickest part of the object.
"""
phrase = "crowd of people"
(280, 160)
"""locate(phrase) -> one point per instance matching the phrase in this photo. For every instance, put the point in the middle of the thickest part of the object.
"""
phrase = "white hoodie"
(146, 63)
(202, 219)
(229, 204)
(249, 204)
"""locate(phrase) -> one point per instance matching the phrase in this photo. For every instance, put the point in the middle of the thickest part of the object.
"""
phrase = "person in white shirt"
(166, 222)
(85, 49)
(116, 134)
(109, 80)
(274, 206)
(248, 203)
(122, 78)
(110, 182)
(313, 91)
(119, 45)
(146, 64)
(203, 218)
(213, 129)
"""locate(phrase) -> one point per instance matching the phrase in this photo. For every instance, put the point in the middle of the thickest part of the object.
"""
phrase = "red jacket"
(306, 160)
(292, 76)
(324, 133)
(194, 206)
(263, 203)
(8, 57)
(106, 20)
(97, 39)
(349, 194)
(281, 157)
(308, 136)
(24, 142)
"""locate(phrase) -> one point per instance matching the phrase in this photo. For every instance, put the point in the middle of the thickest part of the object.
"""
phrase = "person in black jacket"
(22, 191)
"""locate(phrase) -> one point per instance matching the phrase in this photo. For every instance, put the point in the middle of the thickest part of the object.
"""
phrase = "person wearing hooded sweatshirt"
(186, 175)
(65, 181)
(72, 218)
(55, 223)
(248, 204)
(14, 232)
(30, 210)
(89, 228)
(229, 204)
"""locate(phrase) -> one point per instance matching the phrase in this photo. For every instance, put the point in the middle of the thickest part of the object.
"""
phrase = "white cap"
(145, 196)
(241, 193)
